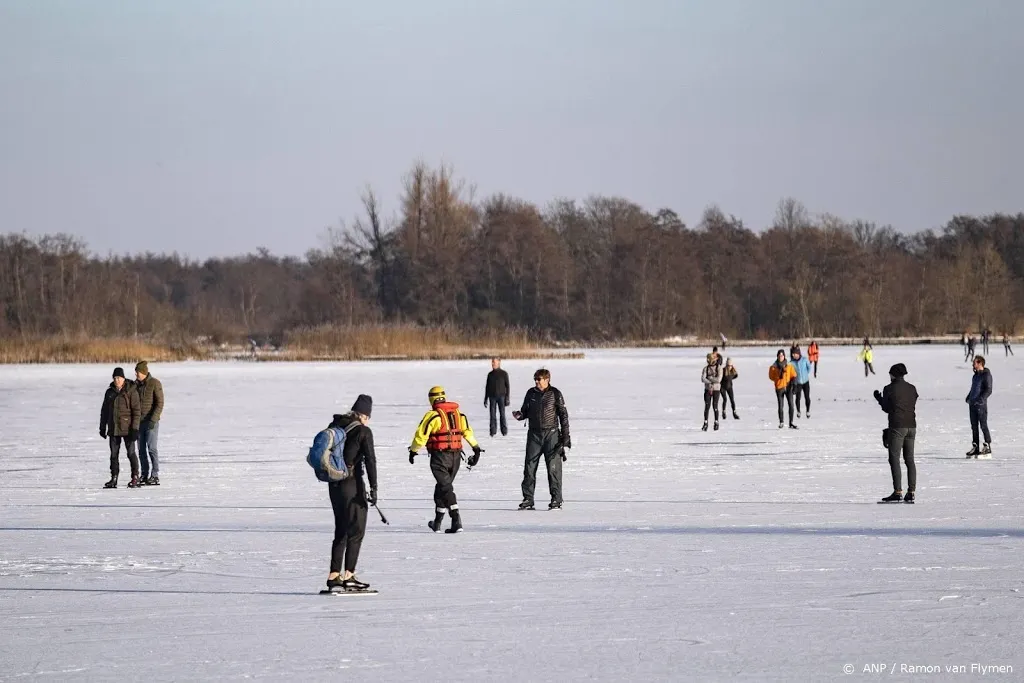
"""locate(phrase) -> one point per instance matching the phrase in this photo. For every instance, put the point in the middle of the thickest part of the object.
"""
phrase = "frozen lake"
(751, 553)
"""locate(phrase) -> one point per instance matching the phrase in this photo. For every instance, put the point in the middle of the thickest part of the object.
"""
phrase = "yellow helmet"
(436, 394)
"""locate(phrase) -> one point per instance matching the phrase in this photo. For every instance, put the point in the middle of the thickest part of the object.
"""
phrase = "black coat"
(546, 410)
(359, 452)
(899, 399)
(497, 385)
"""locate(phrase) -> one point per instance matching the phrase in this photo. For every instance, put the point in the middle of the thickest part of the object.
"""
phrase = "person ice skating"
(349, 498)
(151, 401)
(711, 378)
(801, 386)
(977, 399)
(442, 430)
(899, 400)
(548, 436)
(496, 396)
(782, 373)
(986, 335)
(867, 356)
(812, 355)
(729, 374)
(971, 343)
(1007, 351)
(119, 422)
(725, 341)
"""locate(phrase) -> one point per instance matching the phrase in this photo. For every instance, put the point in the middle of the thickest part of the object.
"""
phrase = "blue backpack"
(327, 455)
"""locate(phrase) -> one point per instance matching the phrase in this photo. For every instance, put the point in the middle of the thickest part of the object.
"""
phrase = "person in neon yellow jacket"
(867, 356)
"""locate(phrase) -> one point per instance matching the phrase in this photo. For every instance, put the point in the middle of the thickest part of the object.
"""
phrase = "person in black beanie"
(119, 422)
(349, 497)
(899, 400)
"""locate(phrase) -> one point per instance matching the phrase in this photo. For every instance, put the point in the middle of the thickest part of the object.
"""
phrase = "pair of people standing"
(792, 379)
(717, 380)
(130, 414)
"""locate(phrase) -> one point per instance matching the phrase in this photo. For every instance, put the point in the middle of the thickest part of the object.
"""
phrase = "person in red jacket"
(812, 355)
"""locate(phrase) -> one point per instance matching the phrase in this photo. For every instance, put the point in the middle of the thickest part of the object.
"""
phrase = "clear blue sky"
(213, 127)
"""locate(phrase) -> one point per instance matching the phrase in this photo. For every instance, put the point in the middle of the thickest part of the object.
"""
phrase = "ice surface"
(747, 554)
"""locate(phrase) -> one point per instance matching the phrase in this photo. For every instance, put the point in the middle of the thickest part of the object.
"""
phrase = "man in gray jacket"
(711, 377)
(151, 401)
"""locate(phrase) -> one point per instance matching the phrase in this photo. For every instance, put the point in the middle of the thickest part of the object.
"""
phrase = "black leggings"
(805, 390)
(348, 498)
(728, 398)
(786, 394)
(711, 399)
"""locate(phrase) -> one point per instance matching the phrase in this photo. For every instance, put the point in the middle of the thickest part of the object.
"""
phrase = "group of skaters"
(444, 430)
(969, 343)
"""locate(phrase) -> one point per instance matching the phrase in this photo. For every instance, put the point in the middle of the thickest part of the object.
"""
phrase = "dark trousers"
(544, 443)
(444, 465)
(868, 368)
(979, 418)
(901, 440)
(348, 498)
(815, 368)
(497, 406)
(727, 397)
(115, 452)
(805, 391)
(711, 399)
(1007, 351)
(781, 395)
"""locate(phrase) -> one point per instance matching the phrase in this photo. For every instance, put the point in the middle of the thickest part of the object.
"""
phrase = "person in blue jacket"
(977, 399)
(802, 385)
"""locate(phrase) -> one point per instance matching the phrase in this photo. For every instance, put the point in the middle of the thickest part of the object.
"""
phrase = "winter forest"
(598, 270)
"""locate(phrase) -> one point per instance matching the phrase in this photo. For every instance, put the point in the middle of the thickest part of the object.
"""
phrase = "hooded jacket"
(981, 388)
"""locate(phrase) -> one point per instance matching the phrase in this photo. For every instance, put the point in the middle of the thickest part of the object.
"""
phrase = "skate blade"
(348, 591)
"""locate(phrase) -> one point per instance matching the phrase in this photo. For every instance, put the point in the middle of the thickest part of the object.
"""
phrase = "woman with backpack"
(728, 375)
(349, 497)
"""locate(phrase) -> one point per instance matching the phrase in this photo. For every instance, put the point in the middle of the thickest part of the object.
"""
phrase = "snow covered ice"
(751, 553)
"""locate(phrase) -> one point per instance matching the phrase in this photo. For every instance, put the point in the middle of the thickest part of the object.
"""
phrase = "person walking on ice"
(899, 401)
(977, 399)
(729, 374)
(801, 386)
(867, 356)
(781, 373)
(442, 430)
(711, 378)
(548, 436)
(349, 498)
(813, 353)
(1007, 351)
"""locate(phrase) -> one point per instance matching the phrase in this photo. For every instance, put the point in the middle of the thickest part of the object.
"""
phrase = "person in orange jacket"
(781, 373)
(812, 355)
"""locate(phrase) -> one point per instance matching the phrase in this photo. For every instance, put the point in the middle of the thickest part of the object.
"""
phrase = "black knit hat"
(363, 405)
(118, 372)
(898, 370)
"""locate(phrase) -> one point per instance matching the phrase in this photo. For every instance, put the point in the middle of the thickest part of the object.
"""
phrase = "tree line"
(598, 270)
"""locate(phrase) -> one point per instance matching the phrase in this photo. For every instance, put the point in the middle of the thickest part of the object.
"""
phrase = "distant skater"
(729, 374)
(812, 355)
(711, 378)
(867, 355)
(1007, 351)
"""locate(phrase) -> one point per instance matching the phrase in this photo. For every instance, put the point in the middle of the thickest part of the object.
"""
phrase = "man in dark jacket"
(151, 401)
(119, 421)
(496, 394)
(899, 400)
(981, 389)
(349, 498)
(544, 408)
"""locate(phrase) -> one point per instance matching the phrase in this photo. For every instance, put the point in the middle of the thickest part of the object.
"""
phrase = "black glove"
(412, 457)
(133, 435)
(371, 497)
(485, 403)
(475, 458)
(103, 431)
(506, 403)
(878, 395)
(561, 452)
(566, 442)
(517, 415)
